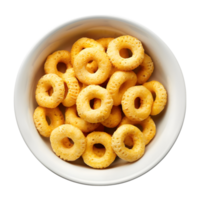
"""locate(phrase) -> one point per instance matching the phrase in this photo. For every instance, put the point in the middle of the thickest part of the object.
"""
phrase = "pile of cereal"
(101, 71)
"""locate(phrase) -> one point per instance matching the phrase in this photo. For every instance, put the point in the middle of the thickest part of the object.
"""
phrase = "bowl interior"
(168, 123)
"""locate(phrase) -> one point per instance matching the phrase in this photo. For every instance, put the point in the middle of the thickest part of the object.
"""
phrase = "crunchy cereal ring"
(104, 66)
(81, 44)
(72, 118)
(89, 156)
(84, 43)
(118, 146)
(118, 84)
(146, 70)
(105, 42)
(50, 66)
(161, 96)
(149, 129)
(59, 138)
(47, 82)
(39, 117)
(128, 42)
(114, 118)
(83, 104)
(72, 88)
(128, 103)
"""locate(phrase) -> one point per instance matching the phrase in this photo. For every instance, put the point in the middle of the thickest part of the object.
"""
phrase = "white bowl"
(167, 71)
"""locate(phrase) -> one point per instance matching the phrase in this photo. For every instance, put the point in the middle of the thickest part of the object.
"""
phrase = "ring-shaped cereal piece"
(128, 103)
(104, 66)
(72, 118)
(81, 44)
(58, 142)
(55, 116)
(148, 126)
(127, 42)
(83, 104)
(61, 56)
(146, 70)
(161, 96)
(84, 43)
(119, 148)
(115, 115)
(105, 42)
(72, 88)
(118, 83)
(47, 82)
(91, 158)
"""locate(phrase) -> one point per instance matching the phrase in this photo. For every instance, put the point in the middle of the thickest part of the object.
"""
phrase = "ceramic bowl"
(168, 123)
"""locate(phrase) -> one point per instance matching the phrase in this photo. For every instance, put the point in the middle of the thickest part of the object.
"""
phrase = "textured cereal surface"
(64, 132)
(72, 88)
(118, 145)
(118, 84)
(91, 157)
(83, 104)
(61, 56)
(55, 115)
(114, 118)
(161, 96)
(72, 118)
(128, 105)
(146, 70)
(44, 84)
(83, 58)
(128, 42)
(149, 129)
(83, 43)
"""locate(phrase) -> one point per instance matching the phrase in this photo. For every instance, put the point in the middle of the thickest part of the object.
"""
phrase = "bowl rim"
(101, 17)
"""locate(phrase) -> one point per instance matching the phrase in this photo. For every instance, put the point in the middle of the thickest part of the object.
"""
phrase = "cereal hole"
(125, 53)
(67, 142)
(61, 67)
(50, 91)
(130, 143)
(48, 120)
(137, 102)
(99, 146)
(154, 95)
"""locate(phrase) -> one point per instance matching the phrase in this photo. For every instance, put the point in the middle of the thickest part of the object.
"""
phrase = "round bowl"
(168, 123)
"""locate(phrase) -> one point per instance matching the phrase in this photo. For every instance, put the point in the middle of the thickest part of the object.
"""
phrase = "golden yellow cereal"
(84, 43)
(61, 56)
(105, 42)
(55, 116)
(146, 70)
(126, 42)
(148, 126)
(91, 158)
(119, 148)
(118, 83)
(104, 66)
(47, 82)
(72, 88)
(83, 104)
(58, 139)
(160, 101)
(128, 103)
(114, 118)
(72, 118)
